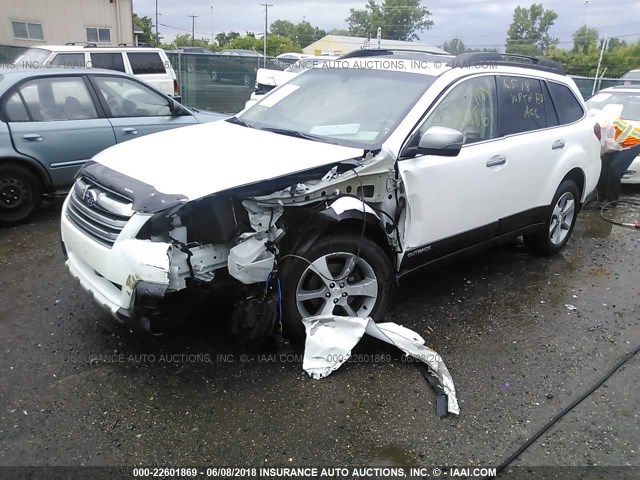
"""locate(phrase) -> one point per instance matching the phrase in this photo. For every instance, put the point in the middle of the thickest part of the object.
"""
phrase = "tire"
(372, 269)
(561, 218)
(20, 194)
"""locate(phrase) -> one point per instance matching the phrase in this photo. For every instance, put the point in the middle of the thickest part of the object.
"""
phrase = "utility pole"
(266, 26)
(157, 37)
(193, 28)
(584, 18)
(212, 25)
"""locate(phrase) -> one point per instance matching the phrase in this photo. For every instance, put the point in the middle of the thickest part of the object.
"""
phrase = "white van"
(150, 65)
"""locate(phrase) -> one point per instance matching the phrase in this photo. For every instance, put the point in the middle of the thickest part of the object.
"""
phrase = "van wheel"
(561, 218)
(20, 194)
(343, 275)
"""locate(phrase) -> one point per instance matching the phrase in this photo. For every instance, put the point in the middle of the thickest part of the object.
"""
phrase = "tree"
(276, 44)
(339, 31)
(614, 43)
(454, 46)
(302, 33)
(585, 39)
(399, 19)
(145, 23)
(529, 31)
(223, 38)
(184, 40)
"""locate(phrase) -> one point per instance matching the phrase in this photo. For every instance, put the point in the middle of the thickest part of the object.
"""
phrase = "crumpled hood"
(200, 160)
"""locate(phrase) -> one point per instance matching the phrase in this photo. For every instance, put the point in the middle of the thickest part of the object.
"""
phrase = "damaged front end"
(226, 247)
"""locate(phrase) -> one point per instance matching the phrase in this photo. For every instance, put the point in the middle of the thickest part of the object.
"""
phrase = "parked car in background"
(316, 199)
(623, 102)
(150, 65)
(53, 120)
(267, 79)
(632, 77)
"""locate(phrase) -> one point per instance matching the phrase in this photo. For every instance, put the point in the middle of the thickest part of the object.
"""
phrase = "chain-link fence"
(585, 84)
(222, 83)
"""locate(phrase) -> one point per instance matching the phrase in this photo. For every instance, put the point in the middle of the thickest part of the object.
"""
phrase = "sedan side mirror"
(442, 141)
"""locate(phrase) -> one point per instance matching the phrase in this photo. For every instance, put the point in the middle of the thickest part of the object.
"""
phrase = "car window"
(470, 107)
(568, 106)
(127, 98)
(145, 63)
(68, 60)
(522, 105)
(66, 98)
(108, 60)
(15, 110)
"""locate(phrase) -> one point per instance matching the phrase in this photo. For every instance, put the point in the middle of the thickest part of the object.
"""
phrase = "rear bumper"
(633, 173)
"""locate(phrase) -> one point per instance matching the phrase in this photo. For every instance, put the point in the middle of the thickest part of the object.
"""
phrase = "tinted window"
(50, 99)
(110, 61)
(567, 105)
(127, 98)
(68, 60)
(145, 62)
(15, 110)
(470, 108)
(522, 105)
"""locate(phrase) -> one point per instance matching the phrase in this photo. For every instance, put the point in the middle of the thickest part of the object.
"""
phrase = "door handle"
(557, 145)
(32, 137)
(129, 131)
(497, 161)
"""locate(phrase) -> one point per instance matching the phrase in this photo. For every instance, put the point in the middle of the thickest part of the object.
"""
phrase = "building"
(56, 22)
(339, 45)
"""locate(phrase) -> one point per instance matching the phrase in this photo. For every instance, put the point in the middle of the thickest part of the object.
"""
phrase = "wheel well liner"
(577, 175)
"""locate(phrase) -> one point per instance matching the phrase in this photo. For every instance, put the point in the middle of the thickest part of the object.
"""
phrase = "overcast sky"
(479, 23)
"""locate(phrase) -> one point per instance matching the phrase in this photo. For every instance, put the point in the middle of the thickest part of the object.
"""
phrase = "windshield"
(307, 63)
(345, 106)
(33, 57)
(632, 75)
(628, 102)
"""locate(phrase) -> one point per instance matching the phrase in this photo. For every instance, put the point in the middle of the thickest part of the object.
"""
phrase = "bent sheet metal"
(330, 340)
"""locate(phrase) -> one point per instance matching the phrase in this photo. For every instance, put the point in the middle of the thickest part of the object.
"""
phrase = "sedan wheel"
(20, 194)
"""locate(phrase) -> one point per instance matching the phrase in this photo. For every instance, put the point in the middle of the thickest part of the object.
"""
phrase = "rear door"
(56, 121)
(134, 109)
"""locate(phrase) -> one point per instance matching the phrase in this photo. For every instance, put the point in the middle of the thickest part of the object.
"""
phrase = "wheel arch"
(578, 176)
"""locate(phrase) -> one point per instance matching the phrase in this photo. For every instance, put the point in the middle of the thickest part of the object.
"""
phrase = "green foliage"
(146, 25)
(585, 39)
(455, 46)
(303, 33)
(276, 44)
(224, 38)
(529, 31)
(399, 19)
(184, 40)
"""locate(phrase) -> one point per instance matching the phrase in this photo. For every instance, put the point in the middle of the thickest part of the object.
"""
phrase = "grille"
(97, 211)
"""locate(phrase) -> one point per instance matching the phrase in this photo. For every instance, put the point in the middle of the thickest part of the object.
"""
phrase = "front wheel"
(20, 194)
(343, 275)
(561, 218)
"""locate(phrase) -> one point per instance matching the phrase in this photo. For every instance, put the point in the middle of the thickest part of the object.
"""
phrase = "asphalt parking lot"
(78, 389)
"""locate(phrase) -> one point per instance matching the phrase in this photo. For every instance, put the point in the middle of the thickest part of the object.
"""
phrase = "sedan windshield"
(625, 105)
(345, 106)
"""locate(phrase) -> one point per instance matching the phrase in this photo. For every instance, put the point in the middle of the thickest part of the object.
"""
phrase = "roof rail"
(495, 58)
(374, 52)
(90, 45)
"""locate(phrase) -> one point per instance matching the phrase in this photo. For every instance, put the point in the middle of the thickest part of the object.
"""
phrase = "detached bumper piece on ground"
(330, 340)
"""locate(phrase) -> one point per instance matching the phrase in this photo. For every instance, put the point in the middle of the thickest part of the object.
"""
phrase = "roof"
(347, 44)
(82, 48)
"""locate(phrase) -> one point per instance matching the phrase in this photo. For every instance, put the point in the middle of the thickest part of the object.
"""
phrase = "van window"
(68, 60)
(145, 63)
(567, 105)
(108, 60)
(523, 105)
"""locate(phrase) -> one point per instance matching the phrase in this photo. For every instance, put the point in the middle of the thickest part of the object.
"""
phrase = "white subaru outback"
(318, 198)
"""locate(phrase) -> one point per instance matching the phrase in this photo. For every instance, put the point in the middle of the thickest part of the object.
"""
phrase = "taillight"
(598, 131)
(176, 88)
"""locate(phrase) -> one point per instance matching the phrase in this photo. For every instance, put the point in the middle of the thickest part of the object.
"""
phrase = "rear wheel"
(561, 219)
(20, 194)
(344, 275)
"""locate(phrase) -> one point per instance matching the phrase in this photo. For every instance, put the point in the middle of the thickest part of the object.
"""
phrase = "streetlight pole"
(211, 25)
(266, 26)
(193, 28)
(157, 37)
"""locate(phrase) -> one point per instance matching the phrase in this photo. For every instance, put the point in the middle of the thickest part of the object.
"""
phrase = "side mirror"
(442, 141)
